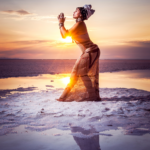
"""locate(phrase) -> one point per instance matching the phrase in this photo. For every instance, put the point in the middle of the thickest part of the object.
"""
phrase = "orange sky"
(29, 29)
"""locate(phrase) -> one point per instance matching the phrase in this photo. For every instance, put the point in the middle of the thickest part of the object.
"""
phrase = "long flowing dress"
(84, 79)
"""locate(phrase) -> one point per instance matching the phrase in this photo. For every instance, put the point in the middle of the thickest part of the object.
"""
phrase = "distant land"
(8, 58)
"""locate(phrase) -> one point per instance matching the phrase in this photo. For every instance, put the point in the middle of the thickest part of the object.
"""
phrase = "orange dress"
(84, 79)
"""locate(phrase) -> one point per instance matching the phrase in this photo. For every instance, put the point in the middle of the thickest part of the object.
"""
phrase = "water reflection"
(42, 82)
(90, 139)
(139, 79)
(86, 143)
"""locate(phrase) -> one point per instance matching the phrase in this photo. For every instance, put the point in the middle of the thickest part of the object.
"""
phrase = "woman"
(84, 79)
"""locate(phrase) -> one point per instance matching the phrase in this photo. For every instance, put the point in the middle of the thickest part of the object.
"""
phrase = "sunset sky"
(29, 28)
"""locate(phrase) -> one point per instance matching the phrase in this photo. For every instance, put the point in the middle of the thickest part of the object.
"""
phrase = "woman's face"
(77, 14)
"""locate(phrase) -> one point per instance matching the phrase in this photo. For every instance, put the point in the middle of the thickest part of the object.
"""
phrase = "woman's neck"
(79, 20)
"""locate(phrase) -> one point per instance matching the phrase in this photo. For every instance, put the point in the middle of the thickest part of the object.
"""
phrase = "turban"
(86, 11)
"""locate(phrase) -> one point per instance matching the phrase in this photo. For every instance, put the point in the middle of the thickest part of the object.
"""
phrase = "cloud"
(31, 42)
(68, 16)
(129, 50)
(48, 18)
(54, 22)
(17, 15)
(70, 20)
(26, 48)
(28, 44)
(44, 17)
(139, 43)
(18, 12)
(32, 52)
(117, 42)
(23, 14)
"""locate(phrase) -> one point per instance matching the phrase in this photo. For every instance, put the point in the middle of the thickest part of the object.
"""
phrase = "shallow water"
(139, 79)
(30, 116)
(56, 139)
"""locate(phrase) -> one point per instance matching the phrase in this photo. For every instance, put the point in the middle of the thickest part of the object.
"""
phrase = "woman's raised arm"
(64, 32)
(70, 32)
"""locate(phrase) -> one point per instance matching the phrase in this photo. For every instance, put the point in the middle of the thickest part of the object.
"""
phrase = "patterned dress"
(84, 79)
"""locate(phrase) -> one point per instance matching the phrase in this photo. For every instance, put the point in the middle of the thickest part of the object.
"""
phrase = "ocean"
(34, 67)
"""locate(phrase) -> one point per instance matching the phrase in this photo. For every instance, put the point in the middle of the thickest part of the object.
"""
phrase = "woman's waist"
(91, 48)
(87, 46)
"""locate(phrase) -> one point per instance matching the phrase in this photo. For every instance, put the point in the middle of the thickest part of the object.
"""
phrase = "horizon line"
(66, 58)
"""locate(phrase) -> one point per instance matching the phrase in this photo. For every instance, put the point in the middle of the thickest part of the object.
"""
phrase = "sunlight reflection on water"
(139, 79)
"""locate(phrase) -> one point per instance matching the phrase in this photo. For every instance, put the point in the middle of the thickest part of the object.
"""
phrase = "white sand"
(40, 111)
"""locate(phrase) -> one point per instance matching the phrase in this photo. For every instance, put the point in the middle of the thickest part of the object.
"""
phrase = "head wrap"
(86, 11)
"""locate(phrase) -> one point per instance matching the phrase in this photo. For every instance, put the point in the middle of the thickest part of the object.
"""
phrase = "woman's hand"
(61, 20)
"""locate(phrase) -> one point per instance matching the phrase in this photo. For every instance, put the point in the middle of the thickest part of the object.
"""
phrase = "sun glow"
(68, 39)
(65, 80)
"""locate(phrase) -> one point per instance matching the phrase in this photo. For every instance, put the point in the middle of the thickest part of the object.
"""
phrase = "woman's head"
(83, 12)
(77, 14)
(80, 12)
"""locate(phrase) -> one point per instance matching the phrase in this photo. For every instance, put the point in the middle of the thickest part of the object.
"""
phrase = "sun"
(68, 39)
(65, 80)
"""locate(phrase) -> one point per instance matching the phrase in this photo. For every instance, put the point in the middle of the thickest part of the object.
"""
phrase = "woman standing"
(84, 79)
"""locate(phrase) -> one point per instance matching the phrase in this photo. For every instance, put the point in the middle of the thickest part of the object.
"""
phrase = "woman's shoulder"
(81, 25)
(79, 28)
